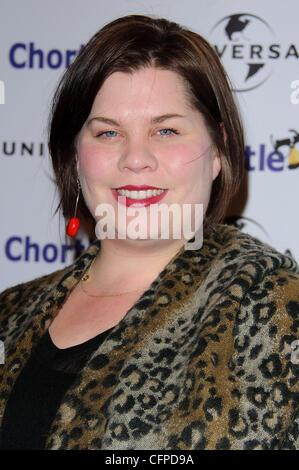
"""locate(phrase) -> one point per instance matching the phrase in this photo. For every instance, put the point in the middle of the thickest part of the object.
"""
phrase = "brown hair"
(128, 44)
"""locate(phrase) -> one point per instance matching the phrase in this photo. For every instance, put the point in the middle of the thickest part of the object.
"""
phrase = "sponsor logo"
(284, 154)
(22, 55)
(23, 149)
(24, 249)
(248, 49)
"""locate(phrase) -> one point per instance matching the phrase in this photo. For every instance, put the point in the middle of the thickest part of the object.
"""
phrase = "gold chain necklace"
(86, 277)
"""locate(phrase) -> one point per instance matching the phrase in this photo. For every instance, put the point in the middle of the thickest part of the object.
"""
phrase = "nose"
(137, 156)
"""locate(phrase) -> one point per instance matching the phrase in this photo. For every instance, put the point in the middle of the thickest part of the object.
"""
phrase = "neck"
(133, 263)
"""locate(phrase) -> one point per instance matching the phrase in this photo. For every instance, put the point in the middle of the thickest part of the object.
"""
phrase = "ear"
(217, 157)
(216, 164)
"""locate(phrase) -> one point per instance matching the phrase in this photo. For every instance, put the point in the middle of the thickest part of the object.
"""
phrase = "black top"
(39, 390)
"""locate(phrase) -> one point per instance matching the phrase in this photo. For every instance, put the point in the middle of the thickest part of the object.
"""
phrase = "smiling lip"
(138, 202)
(131, 187)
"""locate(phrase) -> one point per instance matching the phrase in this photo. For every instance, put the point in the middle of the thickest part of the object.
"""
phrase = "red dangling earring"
(74, 223)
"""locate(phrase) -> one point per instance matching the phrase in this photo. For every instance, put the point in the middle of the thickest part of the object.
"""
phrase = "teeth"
(140, 194)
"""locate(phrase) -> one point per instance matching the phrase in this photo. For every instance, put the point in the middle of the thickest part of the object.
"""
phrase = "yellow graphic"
(289, 148)
(293, 158)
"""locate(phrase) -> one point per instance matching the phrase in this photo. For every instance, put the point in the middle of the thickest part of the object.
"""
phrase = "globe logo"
(244, 43)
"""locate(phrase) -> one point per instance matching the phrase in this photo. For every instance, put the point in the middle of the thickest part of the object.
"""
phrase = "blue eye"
(167, 131)
(108, 134)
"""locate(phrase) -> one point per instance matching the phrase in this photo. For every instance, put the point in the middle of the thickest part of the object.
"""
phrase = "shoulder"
(245, 253)
(266, 319)
(17, 298)
(269, 276)
(262, 283)
(264, 291)
(231, 238)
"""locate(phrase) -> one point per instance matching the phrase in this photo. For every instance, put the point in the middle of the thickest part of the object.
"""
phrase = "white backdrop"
(259, 46)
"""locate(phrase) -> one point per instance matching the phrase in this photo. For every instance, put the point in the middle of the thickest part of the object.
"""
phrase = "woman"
(141, 343)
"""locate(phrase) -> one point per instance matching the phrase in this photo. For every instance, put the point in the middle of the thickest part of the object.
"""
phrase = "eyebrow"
(154, 120)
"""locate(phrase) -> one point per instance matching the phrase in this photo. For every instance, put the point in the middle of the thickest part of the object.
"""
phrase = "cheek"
(188, 163)
(92, 162)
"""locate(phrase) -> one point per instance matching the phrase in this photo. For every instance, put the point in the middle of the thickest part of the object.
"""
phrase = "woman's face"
(142, 132)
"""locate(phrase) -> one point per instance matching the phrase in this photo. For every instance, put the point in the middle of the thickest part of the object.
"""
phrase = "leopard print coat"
(203, 360)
